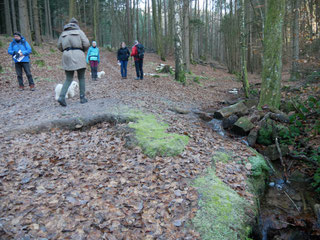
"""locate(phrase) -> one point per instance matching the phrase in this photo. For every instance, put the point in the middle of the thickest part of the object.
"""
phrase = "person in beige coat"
(73, 43)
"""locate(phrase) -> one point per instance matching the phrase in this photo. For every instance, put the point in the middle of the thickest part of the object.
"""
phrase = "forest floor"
(63, 184)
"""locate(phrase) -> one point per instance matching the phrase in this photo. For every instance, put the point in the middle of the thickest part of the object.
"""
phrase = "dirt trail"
(88, 184)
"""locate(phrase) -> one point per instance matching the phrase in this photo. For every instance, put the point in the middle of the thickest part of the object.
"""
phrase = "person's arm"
(98, 55)
(28, 49)
(10, 49)
(118, 55)
(85, 41)
(128, 52)
(134, 51)
(59, 45)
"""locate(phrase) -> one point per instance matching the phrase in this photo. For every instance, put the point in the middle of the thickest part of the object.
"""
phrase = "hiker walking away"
(93, 56)
(138, 54)
(123, 57)
(20, 50)
(73, 43)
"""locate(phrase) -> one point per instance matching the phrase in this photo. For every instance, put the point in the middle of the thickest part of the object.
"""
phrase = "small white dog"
(101, 74)
(74, 86)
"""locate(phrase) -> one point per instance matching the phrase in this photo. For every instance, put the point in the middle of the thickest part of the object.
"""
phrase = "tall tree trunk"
(272, 55)
(161, 43)
(8, 17)
(149, 26)
(244, 73)
(156, 28)
(13, 13)
(137, 19)
(165, 9)
(36, 22)
(48, 19)
(295, 42)
(72, 9)
(95, 19)
(170, 25)
(30, 15)
(24, 20)
(128, 16)
(179, 66)
(186, 32)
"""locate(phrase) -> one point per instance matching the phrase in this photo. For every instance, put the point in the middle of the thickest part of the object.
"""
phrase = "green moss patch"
(221, 212)
(221, 156)
(151, 135)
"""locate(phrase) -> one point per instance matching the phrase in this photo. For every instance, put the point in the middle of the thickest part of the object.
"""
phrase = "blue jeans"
(124, 65)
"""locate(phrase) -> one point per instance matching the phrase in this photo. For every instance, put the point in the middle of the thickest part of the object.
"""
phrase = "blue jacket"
(94, 53)
(24, 46)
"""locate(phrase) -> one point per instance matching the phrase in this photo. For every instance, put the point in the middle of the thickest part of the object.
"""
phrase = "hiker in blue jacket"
(93, 57)
(20, 50)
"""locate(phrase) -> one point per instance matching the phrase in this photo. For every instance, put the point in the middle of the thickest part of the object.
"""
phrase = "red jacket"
(134, 53)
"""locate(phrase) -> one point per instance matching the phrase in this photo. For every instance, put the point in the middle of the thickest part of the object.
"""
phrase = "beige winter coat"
(73, 37)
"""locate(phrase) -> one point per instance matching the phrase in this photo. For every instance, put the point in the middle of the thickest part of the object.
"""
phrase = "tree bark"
(128, 16)
(30, 15)
(295, 41)
(8, 17)
(72, 9)
(186, 32)
(24, 20)
(36, 22)
(95, 19)
(48, 19)
(13, 13)
(156, 28)
(272, 55)
(137, 19)
(244, 73)
(180, 73)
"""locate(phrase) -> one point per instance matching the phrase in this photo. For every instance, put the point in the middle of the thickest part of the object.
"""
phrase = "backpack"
(140, 49)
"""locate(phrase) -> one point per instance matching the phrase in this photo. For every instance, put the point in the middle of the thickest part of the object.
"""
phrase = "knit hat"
(17, 34)
(136, 42)
(75, 21)
(94, 42)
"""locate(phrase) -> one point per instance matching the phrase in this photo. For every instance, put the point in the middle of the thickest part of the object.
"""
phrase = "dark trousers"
(139, 68)
(82, 84)
(124, 65)
(26, 66)
(94, 69)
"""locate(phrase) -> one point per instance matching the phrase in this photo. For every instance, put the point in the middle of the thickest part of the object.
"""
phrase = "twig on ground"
(292, 201)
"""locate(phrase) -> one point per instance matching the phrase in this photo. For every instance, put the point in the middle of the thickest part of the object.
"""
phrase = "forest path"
(88, 184)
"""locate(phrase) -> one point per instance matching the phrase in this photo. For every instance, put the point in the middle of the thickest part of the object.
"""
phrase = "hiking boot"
(21, 88)
(32, 88)
(83, 100)
(62, 102)
(137, 78)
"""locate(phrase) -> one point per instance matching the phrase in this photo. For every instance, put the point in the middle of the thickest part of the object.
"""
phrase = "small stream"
(286, 210)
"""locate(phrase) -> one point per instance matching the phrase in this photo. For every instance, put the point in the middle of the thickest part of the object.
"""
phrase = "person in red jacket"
(138, 54)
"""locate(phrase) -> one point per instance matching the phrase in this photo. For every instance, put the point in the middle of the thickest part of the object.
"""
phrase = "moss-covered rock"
(221, 156)
(221, 212)
(242, 126)
(259, 173)
(151, 135)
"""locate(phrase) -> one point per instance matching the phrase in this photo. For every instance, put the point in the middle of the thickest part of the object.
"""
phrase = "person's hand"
(14, 53)
(17, 55)
(21, 54)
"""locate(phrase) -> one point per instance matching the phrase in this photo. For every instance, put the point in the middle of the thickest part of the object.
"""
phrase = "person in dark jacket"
(93, 56)
(138, 60)
(20, 50)
(73, 43)
(123, 57)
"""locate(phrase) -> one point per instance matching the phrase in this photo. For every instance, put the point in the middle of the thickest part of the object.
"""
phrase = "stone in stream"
(229, 121)
(252, 137)
(239, 109)
(242, 126)
(272, 152)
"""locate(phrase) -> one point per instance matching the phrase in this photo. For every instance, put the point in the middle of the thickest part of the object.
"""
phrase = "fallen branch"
(281, 159)
(292, 201)
(303, 158)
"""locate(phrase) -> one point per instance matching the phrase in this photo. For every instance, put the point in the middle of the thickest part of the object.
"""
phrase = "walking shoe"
(21, 88)
(137, 78)
(83, 100)
(32, 88)
(62, 102)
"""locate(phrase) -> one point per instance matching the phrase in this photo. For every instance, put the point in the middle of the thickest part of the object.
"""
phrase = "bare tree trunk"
(95, 19)
(48, 19)
(186, 32)
(72, 9)
(180, 73)
(13, 13)
(295, 42)
(84, 13)
(165, 27)
(36, 22)
(149, 26)
(157, 29)
(244, 73)
(30, 15)
(128, 16)
(24, 20)
(137, 19)
(8, 17)
(171, 24)
(272, 55)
